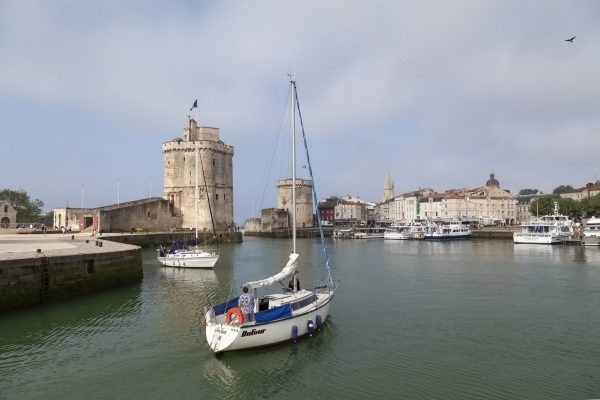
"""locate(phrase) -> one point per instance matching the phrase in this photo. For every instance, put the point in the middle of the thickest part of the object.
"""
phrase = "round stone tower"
(184, 181)
(304, 209)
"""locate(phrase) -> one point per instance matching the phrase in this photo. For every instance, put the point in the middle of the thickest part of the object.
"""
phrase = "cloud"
(440, 93)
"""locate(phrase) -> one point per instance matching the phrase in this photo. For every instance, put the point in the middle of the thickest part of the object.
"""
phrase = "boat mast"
(196, 194)
(293, 116)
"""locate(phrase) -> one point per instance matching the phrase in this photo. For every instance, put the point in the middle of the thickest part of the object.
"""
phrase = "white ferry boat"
(453, 230)
(548, 229)
(591, 232)
(538, 231)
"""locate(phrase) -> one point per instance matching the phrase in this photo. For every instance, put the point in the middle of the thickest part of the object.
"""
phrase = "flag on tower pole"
(195, 105)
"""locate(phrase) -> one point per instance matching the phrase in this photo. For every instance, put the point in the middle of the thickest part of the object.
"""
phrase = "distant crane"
(571, 39)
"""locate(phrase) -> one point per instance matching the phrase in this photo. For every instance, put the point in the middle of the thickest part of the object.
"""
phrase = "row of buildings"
(486, 205)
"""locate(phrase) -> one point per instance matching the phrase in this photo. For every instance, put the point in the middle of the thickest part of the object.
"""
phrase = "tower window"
(217, 196)
(213, 162)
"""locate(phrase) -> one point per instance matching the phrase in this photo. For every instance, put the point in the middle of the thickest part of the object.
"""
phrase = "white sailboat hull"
(228, 337)
(189, 259)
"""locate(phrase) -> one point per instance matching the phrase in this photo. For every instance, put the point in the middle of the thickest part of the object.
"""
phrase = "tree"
(545, 206)
(526, 192)
(591, 206)
(562, 189)
(27, 210)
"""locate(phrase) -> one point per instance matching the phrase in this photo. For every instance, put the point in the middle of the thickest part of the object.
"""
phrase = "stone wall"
(29, 281)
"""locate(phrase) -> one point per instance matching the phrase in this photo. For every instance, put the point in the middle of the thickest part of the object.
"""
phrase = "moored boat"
(286, 314)
(591, 232)
(398, 232)
(538, 231)
(547, 229)
(452, 230)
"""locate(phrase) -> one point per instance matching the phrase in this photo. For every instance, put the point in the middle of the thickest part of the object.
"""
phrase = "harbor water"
(476, 319)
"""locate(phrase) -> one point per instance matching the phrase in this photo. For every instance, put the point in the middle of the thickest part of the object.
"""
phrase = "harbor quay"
(38, 268)
(35, 269)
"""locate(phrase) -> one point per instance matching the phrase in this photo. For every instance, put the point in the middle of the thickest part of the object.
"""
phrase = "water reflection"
(267, 372)
(58, 334)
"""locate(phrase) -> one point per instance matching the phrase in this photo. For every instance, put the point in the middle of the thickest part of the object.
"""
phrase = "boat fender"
(319, 322)
(310, 327)
(294, 333)
(239, 316)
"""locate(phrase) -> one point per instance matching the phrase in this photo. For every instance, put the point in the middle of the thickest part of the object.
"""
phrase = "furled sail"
(287, 271)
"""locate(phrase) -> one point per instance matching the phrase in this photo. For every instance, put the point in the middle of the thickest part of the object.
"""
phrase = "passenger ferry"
(538, 231)
(453, 230)
(548, 229)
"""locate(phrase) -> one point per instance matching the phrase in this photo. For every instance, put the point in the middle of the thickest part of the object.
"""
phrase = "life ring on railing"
(238, 312)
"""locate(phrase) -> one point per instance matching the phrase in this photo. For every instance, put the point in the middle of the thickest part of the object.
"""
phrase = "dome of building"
(492, 182)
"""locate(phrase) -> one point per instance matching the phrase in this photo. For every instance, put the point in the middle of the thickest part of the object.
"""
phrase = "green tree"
(562, 189)
(525, 192)
(27, 210)
(591, 206)
(545, 206)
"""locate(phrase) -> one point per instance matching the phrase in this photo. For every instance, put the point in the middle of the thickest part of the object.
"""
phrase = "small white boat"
(188, 258)
(285, 314)
(397, 233)
(591, 232)
(453, 230)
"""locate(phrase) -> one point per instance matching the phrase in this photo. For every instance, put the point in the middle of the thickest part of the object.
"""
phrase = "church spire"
(388, 188)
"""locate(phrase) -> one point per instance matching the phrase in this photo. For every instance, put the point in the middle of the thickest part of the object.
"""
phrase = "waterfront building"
(8, 215)
(152, 214)
(405, 207)
(215, 178)
(327, 210)
(589, 190)
(353, 210)
(489, 205)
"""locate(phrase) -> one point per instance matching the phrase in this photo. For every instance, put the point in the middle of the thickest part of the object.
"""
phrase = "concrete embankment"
(39, 269)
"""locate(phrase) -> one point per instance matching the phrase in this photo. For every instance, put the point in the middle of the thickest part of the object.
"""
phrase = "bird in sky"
(570, 40)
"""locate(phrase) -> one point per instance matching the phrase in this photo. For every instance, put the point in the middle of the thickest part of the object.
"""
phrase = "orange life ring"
(238, 312)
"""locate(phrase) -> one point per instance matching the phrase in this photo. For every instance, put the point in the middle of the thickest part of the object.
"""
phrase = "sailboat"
(194, 257)
(288, 312)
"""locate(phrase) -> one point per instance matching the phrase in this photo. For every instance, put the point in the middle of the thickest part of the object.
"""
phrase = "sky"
(438, 93)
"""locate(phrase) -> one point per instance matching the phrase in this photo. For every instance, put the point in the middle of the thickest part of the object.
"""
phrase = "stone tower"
(180, 168)
(388, 188)
(304, 209)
